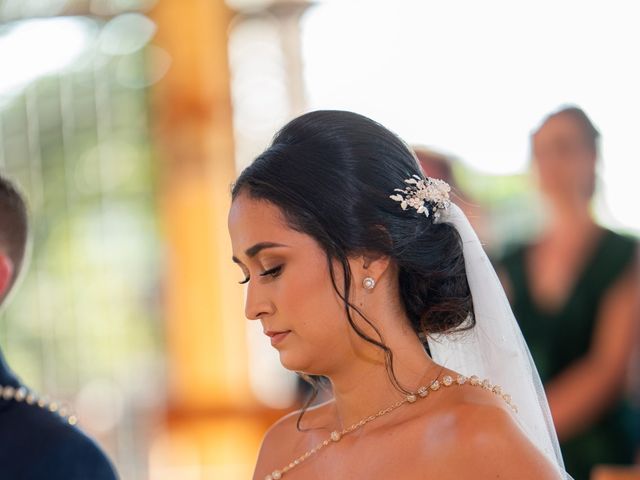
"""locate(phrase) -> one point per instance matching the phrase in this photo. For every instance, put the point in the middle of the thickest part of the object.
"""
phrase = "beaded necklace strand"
(422, 392)
(22, 394)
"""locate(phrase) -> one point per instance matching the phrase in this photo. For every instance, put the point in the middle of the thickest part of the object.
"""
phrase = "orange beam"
(191, 112)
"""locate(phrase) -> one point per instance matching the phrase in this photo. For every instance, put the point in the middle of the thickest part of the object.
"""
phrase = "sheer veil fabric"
(495, 348)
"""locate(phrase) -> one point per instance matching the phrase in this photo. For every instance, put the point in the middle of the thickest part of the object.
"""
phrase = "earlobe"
(6, 274)
(368, 283)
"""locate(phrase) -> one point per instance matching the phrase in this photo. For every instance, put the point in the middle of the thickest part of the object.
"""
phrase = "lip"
(277, 336)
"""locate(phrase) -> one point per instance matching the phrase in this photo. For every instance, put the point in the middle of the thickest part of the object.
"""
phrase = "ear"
(6, 274)
(372, 265)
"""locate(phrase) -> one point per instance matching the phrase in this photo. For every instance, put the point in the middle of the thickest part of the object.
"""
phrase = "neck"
(570, 218)
(365, 386)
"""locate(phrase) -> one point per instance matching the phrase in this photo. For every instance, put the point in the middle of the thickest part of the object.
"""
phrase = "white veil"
(495, 348)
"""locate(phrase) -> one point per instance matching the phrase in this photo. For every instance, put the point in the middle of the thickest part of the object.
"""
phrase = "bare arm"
(581, 392)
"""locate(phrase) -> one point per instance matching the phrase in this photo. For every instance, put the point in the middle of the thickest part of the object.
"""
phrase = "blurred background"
(125, 122)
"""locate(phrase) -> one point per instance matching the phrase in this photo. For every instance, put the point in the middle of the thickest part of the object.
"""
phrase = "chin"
(293, 362)
(297, 361)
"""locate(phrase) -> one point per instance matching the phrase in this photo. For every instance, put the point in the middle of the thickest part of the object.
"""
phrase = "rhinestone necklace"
(422, 392)
(22, 394)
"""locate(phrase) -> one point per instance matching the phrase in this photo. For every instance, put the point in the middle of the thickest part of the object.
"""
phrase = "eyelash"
(274, 272)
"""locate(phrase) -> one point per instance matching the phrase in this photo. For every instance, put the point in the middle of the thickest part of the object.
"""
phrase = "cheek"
(312, 302)
(584, 172)
(547, 177)
(573, 174)
(309, 305)
(557, 173)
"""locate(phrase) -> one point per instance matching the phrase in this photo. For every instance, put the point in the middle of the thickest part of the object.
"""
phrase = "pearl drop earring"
(368, 283)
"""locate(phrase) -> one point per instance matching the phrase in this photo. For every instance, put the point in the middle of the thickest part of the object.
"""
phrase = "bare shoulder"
(281, 433)
(498, 446)
(283, 438)
(474, 434)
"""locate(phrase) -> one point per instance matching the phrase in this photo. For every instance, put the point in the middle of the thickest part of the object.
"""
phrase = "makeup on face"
(277, 336)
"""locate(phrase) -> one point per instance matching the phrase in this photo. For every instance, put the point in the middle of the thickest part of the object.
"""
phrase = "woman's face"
(289, 287)
(564, 160)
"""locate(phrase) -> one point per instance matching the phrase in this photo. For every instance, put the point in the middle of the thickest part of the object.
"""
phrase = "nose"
(256, 303)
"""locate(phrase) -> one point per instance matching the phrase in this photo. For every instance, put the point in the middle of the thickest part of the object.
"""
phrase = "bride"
(363, 271)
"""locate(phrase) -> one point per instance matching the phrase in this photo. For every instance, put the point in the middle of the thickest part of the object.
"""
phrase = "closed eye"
(273, 272)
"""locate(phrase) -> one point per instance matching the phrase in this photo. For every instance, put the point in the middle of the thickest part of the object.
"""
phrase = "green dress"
(559, 338)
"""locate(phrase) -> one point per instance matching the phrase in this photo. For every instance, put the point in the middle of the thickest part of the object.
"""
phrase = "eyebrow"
(257, 248)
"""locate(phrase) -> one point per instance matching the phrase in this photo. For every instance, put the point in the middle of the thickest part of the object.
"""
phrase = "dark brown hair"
(331, 174)
(590, 132)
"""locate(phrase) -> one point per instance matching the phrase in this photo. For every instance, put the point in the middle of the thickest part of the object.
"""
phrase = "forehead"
(558, 127)
(253, 221)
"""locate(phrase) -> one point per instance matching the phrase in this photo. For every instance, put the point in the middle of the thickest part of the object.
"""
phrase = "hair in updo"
(331, 174)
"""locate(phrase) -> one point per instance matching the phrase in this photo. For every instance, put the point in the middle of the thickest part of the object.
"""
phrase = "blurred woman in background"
(575, 291)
